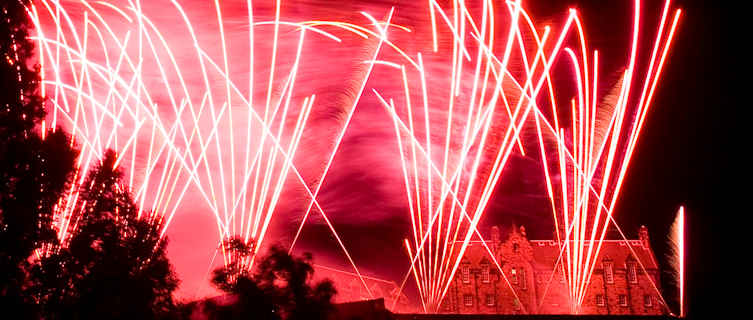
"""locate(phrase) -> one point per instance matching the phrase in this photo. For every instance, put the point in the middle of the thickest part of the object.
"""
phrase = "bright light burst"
(677, 256)
(111, 72)
(590, 161)
(169, 102)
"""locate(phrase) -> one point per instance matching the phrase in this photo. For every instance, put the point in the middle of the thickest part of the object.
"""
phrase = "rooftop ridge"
(354, 275)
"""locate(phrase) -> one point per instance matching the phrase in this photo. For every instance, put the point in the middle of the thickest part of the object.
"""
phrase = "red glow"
(161, 85)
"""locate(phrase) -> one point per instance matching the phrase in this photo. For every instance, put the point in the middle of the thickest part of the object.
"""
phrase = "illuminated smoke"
(239, 110)
(676, 256)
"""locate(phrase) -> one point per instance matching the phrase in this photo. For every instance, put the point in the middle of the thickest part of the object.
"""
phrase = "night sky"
(678, 161)
(682, 157)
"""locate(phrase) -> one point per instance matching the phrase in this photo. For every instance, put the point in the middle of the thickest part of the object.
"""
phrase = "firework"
(193, 109)
(448, 189)
(677, 256)
(592, 159)
(447, 196)
(116, 80)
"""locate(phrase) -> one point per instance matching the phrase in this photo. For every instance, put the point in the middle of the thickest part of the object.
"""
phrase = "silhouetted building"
(362, 310)
(618, 285)
(350, 288)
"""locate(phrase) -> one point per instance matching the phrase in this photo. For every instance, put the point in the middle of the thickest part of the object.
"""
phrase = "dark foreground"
(375, 310)
(522, 317)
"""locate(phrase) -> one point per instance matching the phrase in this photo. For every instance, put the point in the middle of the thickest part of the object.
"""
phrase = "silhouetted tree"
(237, 255)
(115, 266)
(280, 287)
(183, 311)
(33, 171)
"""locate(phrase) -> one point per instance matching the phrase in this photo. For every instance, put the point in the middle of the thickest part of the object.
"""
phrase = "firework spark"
(592, 159)
(170, 90)
(677, 256)
(447, 196)
(115, 80)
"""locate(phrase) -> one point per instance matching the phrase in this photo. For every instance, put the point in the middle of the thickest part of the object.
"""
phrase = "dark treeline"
(114, 264)
(279, 288)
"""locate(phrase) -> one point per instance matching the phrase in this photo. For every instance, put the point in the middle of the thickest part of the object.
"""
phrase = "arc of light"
(92, 99)
(250, 15)
(599, 197)
(220, 23)
(294, 141)
(496, 171)
(298, 175)
(292, 148)
(271, 158)
(199, 51)
(338, 141)
(397, 120)
(635, 132)
(484, 47)
(213, 204)
(681, 257)
(634, 135)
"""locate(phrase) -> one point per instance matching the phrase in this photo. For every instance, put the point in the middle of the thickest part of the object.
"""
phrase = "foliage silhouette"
(115, 265)
(279, 288)
(34, 172)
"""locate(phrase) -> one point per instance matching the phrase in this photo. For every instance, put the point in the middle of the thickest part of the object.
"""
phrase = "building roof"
(350, 288)
(545, 253)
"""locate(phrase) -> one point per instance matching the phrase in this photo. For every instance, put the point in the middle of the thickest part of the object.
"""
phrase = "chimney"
(643, 236)
(495, 235)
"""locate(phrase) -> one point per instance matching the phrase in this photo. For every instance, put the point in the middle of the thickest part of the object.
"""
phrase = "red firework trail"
(677, 256)
(170, 102)
(587, 161)
(98, 73)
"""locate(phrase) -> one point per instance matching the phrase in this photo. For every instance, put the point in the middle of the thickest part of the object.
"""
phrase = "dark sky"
(679, 159)
(681, 156)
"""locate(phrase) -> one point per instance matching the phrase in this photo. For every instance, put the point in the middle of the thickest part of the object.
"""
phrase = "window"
(515, 247)
(514, 276)
(485, 273)
(468, 300)
(623, 300)
(600, 300)
(523, 279)
(647, 301)
(466, 274)
(489, 300)
(631, 273)
(608, 272)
